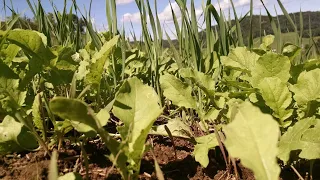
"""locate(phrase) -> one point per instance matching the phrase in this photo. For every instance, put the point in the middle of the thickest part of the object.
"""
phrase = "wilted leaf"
(176, 127)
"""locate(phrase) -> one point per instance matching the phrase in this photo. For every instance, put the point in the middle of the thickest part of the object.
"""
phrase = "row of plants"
(243, 98)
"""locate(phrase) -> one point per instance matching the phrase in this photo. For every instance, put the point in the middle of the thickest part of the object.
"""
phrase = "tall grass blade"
(290, 21)
(239, 33)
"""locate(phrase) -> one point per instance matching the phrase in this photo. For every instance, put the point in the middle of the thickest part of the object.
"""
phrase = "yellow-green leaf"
(277, 96)
(253, 137)
(304, 136)
(240, 58)
(271, 65)
(177, 91)
(307, 88)
(201, 149)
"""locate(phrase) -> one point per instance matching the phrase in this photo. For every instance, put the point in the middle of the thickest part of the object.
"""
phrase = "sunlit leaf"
(137, 106)
(271, 65)
(201, 149)
(177, 91)
(307, 87)
(304, 136)
(253, 136)
(240, 58)
(14, 137)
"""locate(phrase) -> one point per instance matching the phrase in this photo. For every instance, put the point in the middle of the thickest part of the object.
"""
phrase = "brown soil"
(34, 165)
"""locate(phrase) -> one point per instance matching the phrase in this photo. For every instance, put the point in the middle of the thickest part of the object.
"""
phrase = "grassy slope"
(286, 38)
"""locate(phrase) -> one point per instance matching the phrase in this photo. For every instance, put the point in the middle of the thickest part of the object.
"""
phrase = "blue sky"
(127, 10)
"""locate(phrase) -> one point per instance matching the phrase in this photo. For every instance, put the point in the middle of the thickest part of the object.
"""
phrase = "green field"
(287, 38)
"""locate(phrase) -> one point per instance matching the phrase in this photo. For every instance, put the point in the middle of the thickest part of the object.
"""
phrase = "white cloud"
(124, 1)
(225, 4)
(135, 17)
(166, 14)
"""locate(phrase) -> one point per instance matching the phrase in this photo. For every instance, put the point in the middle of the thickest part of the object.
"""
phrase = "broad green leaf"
(76, 110)
(277, 97)
(64, 60)
(103, 116)
(83, 128)
(253, 136)
(201, 149)
(37, 120)
(6, 72)
(271, 65)
(98, 62)
(71, 176)
(307, 87)
(14, 137)
(301, 137)
(30, 41)
(11, 99)
(73, 109)
(310, 64)
(82, 122)
(203, 81)
(177, 91)
(137, 106)
(266, 42)
(34, 44)
(291, 51)
(211, 115)
(63, 126)
(240, 58)
(9, 53)
(176, 127)
(312, 137)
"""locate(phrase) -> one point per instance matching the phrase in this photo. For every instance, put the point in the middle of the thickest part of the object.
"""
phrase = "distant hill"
(284, 24)
(266, 26)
